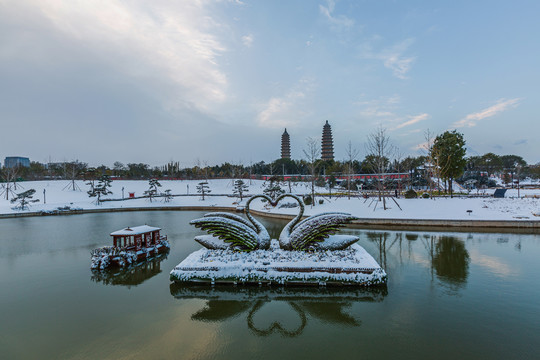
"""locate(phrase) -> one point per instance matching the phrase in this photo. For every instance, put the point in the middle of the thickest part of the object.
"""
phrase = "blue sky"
(215, 81)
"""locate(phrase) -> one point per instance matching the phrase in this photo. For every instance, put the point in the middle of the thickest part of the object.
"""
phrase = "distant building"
(16, 161)
(327, 147)
(285, 145)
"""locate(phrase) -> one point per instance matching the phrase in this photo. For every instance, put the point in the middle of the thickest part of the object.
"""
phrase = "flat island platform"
(352, 266)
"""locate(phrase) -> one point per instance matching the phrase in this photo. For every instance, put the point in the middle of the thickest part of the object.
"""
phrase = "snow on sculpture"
(240, 251)
(314, 233)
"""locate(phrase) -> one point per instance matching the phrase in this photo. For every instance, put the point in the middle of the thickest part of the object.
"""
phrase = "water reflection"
(447, 255)
(451, 260)
(328, 305)
(132, 275)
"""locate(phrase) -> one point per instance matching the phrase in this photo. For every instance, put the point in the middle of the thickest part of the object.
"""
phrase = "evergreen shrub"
(411, 194)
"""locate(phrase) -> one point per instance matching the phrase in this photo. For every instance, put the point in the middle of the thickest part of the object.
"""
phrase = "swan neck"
(298, 217)
(250, 217)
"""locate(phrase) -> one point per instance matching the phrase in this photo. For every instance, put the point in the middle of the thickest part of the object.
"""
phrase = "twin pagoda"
(327, 146)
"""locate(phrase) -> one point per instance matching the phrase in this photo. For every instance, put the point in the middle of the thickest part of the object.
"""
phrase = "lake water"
(449, 296)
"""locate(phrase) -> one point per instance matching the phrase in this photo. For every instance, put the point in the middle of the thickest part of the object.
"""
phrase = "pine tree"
(203, 188)
(24, 199)
(167, 196)
(101, 189)
(273, 190)
(240, 188)
(152, 189)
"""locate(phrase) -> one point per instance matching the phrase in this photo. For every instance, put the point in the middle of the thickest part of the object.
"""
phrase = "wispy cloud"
(339, 21)
(412, 120)
(382, 107)
(247, 40)
(472, 119)
(423, 146)
(285, 110)
(393, 57)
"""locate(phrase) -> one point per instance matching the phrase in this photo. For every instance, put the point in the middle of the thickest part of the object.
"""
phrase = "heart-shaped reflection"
(276, 326)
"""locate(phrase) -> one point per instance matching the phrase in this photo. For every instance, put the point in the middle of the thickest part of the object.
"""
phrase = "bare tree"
(430, 167)
(312, 153)
(398, 157)
(379, 150)
(72, 171)
(352, 154)
(271, 168)
(433, 167)
(9, 176)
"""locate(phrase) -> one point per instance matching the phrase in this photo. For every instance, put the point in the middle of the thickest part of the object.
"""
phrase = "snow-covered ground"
(59, 194)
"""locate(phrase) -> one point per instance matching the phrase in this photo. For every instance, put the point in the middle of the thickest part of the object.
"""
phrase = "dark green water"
(449, 296)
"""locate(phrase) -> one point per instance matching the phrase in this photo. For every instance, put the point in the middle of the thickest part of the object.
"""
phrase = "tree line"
(444, 158)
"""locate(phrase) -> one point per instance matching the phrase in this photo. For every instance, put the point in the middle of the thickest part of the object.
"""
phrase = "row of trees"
(444, 158)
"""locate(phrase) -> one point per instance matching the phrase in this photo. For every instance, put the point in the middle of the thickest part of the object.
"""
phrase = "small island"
(240, 251)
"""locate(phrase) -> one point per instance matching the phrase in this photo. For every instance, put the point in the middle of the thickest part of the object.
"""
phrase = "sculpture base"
(352, 266)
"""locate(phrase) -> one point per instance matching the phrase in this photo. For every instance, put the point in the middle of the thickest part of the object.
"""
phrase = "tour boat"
(130, 245)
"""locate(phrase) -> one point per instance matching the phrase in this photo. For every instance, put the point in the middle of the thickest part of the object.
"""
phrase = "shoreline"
(489, 226)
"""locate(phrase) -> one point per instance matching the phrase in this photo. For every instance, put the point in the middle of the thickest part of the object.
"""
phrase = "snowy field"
(59, 194)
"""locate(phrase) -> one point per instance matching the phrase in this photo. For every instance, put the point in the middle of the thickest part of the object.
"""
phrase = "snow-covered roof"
(135, 230)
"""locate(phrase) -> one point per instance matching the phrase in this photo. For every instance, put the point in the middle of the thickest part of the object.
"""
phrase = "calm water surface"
(449, 296)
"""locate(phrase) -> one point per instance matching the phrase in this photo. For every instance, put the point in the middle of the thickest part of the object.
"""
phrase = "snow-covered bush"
(411, 194)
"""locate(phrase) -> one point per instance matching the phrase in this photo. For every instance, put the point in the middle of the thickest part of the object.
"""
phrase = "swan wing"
(264, 237)
(211, 242)
(336, 242)
(232, 217)
(228, 230)
(317, 228)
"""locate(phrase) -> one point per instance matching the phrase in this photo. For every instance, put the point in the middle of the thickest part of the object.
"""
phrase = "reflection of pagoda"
(327, 143)
(285, 145)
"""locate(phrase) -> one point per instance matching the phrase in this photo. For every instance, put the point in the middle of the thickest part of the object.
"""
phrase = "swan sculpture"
(314, 233)
(229, 230)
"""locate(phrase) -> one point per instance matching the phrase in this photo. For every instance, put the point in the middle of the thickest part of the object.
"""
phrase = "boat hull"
(108, 257)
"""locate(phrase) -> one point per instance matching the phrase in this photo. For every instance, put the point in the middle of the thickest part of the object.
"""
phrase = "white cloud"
(247, 40)
(393, 57)
(472, 119)
(413, 120)
(382, 107)
(285, 111)
(171, 43)
(421, 147)
(340, 21)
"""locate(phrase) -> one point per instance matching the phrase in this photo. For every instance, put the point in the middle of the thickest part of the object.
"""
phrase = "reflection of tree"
(330, 312)
(382, 239)
(132, 275)
(325, 304)
(411, 237)
(451, 260)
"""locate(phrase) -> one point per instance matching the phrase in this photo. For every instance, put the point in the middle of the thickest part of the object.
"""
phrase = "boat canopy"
(136, 230)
